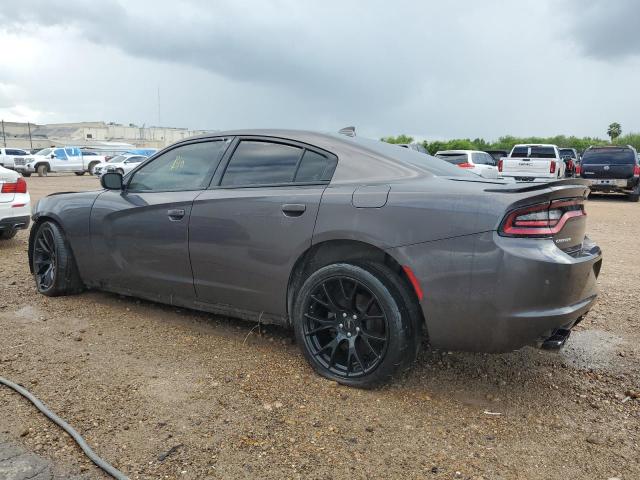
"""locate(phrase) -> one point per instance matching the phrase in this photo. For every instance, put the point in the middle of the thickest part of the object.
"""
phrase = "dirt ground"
(162, 392)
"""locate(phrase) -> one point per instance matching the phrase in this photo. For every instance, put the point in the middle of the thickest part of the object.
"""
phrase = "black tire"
(79, 173)
(8, 234)
(43, 170)
(366, 350)
(26, 174)
(50, 249)
(92, 165)
(634, 197)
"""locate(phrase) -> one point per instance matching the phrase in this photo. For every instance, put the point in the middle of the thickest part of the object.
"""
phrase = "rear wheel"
(634, 197)
(8, 234)
(79, 173)
(26, 174)
(54, 267)
(92, 165)
(354, 324)
(43, 170)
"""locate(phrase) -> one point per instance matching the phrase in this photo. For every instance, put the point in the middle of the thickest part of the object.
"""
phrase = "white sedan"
(121, 164)
(15, 203)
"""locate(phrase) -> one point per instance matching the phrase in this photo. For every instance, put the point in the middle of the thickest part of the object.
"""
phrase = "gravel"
(161, 392)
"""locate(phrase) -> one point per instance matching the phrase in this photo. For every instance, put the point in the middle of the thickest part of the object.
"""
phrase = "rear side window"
(609, 156)
(481, 158)
(520, 152)
(315, 168)
(261, 163)
(543, 152)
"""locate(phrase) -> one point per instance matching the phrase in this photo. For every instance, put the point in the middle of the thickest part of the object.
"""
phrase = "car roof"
(460, 151)
(535, 145)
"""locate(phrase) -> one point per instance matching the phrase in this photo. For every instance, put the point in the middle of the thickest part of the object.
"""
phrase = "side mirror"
(53, 155)
(111, 181)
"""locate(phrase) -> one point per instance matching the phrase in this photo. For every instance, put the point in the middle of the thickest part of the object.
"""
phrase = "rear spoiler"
(531, 187)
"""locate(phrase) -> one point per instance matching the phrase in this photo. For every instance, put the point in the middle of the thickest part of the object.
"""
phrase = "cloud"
(606, 30)
(430, 69)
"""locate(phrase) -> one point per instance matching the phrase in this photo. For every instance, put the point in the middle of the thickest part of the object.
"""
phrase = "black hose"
(117, 474)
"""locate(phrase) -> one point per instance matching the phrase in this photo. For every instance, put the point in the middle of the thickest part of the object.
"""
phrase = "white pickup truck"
(62, 159)
(533, 163)
(8, 155)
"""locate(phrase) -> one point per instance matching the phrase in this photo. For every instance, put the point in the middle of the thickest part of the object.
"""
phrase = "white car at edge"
(480, 163)
(15, 203)
(121, 164)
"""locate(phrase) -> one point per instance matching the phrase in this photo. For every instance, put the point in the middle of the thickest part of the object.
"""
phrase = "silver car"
(364, 248)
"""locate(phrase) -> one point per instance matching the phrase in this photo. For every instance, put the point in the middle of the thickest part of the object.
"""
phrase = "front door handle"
(293, 209)
(176, 214)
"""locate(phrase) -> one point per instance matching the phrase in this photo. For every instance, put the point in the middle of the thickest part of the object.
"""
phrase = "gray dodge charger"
(364, 248)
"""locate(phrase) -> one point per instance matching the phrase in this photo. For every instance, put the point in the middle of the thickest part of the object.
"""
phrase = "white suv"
(121, 164)
(480, 163)
(15, 203)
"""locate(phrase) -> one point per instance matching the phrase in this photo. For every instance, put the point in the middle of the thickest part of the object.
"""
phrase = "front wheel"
(43, 170)
(79, 173)
(26, 174)
(355, 324)
(54, 267)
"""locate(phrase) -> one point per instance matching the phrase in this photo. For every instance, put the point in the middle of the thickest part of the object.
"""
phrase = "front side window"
(261, 163)
(187, 167)
(60, 154)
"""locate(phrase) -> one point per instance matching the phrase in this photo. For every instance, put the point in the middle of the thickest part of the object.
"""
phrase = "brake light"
(542, 220)
(500, 162)
(465, 165)
(636, 171)
(578, 169)
(19, 186)
(552, 167)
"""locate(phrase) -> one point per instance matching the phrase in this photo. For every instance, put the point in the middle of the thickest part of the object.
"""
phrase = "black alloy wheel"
(45, 258)
(345, 327)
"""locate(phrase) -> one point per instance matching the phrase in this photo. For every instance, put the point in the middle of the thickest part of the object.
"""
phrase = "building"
(30, 135)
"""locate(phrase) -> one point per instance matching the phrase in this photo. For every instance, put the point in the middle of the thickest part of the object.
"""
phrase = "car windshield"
(117, 159)
(136, 159)
(567, 152)
(609, 156)
(433, 165)
(453, 158)
(45, 151)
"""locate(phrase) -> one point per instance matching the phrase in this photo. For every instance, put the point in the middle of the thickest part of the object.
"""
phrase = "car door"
(248, 229)
(60, 161)
(74, 159)
(140, 235)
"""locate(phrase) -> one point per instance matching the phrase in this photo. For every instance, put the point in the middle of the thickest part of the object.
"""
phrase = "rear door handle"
(176, 214)
(293, 209)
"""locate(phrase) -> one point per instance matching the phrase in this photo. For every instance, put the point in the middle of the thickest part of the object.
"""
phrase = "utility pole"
(159, 123)
(30, 141)
(4, 137)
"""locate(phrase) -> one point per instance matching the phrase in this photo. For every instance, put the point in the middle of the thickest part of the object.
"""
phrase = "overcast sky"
(430, 69)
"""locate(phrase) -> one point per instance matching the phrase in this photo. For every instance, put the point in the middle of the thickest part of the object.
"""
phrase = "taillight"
(552, 167)
(541, 220)
(578, 169)
(636, 171)
(19, 186)
(465, 165)
(500, 163)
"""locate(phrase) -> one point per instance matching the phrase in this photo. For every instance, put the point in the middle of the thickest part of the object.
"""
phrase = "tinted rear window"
(609, 156)
(567, 152)
(542, 152)
(261, 163)
(520, 152)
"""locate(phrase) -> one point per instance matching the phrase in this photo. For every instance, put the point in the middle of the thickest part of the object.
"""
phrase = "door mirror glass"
(111, 181)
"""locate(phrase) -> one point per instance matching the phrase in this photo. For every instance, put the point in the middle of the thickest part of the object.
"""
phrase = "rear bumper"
(11, 223)
(614, 185)
(493, 294)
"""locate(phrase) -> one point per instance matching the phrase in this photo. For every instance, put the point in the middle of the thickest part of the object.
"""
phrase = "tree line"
(508, 141)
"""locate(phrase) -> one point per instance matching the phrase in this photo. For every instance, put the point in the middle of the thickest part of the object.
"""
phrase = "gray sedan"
(364, 248)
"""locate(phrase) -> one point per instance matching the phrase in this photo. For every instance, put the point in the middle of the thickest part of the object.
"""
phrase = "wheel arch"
(350, 251)
(34, 229)
(42, 162)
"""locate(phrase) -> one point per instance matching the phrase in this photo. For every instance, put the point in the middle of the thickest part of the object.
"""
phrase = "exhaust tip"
(557, 340)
